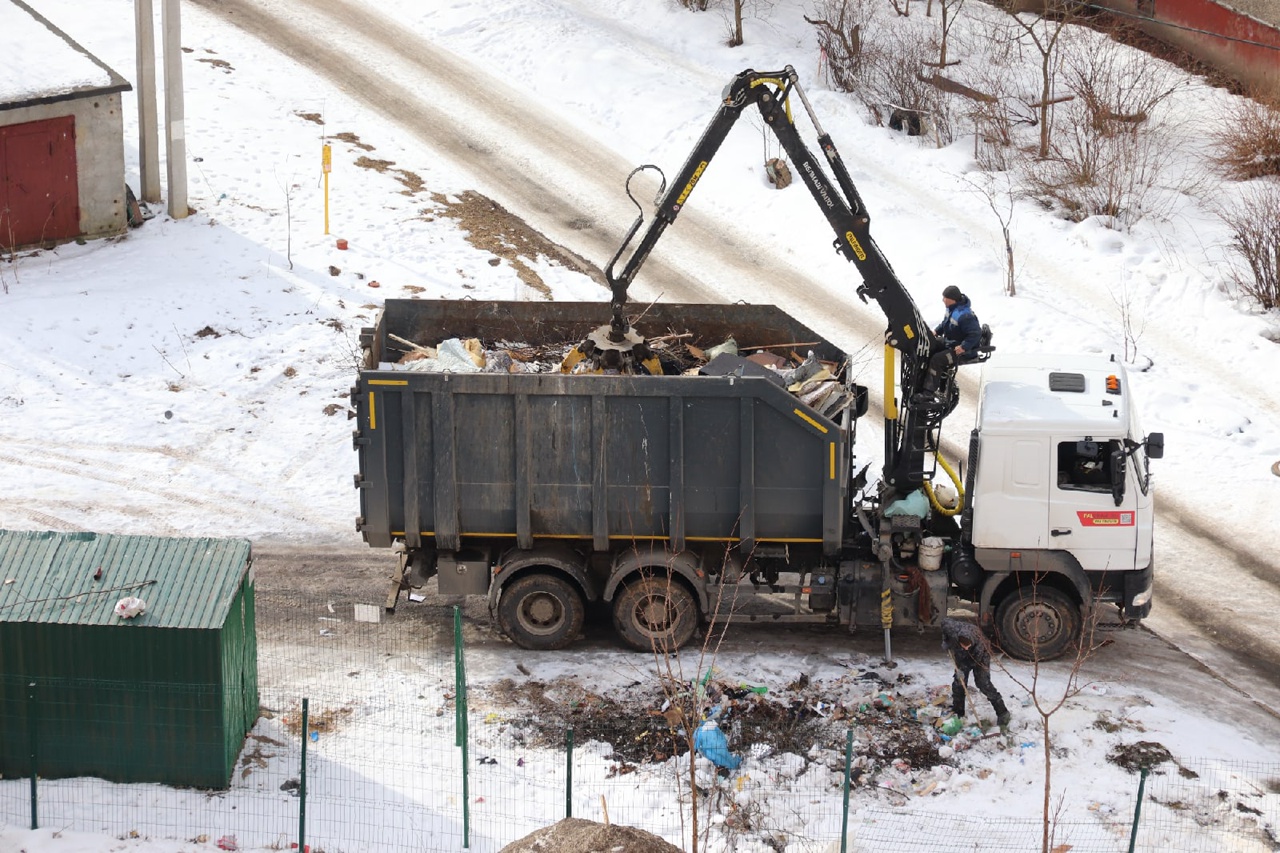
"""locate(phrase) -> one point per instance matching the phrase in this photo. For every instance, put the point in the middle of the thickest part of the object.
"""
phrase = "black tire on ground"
(655, 613)
(1038, 623)
(541, 612)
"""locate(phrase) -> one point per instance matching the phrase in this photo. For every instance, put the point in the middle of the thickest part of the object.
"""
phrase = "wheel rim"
(655, 614)
(1037, 624)
(540, 613)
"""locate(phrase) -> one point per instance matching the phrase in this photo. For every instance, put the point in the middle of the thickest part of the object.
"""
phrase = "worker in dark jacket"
(960, 333)
(970, 653)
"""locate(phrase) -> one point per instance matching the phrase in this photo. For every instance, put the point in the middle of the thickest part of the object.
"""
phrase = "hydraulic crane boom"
(910, 431)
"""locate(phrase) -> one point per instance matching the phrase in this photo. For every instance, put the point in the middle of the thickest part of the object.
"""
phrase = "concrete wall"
(99, 157)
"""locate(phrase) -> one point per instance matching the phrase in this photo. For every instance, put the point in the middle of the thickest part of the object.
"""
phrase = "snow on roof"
(40, 62)
(1016, 392)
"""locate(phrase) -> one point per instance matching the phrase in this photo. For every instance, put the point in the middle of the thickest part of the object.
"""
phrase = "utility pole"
(174, 132)
(148, 125)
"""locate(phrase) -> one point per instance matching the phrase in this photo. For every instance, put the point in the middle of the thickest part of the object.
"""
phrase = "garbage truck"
(679, 497)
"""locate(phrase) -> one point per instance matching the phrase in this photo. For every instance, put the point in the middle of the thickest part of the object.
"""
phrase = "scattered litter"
(712, 743)
(227, 842)
(417, 596)
(315, 737)
(368, 613)
(129, 607)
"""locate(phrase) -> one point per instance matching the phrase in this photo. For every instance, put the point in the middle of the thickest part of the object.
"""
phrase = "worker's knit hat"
(952, 292)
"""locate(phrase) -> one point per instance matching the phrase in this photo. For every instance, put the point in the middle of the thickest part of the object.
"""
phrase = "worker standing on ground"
(971, 653)
(960, 333)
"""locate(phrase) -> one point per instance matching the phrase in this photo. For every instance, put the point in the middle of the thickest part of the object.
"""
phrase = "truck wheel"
(1038, 623)
(655, 613)
(541, 612)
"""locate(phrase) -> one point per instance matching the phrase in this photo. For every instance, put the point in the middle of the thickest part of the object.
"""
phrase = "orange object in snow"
(342, 244)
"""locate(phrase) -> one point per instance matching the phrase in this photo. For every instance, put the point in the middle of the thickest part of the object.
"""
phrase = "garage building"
(61, 136)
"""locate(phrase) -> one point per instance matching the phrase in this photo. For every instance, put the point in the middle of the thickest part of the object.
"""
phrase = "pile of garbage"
(905, 740)
(814, 382)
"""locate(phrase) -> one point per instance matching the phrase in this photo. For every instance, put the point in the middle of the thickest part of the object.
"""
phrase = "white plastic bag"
(127, 608)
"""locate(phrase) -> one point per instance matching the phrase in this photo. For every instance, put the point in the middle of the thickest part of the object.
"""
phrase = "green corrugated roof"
(186, 583)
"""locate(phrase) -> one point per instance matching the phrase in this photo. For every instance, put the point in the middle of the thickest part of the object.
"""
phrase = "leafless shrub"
(1112, 152)
(1254, 221)
(843, 27)
(1248, 140)
(898, 92)
(695, 5)
(1002, 76)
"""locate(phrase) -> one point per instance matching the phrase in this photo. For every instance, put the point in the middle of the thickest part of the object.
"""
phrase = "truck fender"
(560, 558)
(1042, 563)
(683, 563)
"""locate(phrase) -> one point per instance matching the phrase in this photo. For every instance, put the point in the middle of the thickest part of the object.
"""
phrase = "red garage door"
(39, 195)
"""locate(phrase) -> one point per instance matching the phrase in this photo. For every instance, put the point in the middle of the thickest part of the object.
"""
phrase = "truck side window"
(1085, 465)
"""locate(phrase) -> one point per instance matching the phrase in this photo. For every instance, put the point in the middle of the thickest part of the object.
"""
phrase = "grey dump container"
(482, 459)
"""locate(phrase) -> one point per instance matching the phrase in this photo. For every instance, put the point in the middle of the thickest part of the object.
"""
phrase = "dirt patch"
(489, 226)
(1144, 754)
(493, 228)
(314, 118)
(575, 835)
(325, 720)
(218, 63)
(413, 184)
(353, 140)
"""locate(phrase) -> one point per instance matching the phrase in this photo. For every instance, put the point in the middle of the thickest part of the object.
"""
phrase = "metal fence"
(400, 756)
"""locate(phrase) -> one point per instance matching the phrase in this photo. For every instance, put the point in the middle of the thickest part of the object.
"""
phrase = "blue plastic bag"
(712, 743)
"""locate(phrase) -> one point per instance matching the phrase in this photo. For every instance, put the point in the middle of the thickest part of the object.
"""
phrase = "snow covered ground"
(191, 377)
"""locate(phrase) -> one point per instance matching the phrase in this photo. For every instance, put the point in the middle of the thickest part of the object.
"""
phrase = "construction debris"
(814, 382)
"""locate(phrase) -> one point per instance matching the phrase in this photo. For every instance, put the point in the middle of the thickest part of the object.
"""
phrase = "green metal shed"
(165, 696)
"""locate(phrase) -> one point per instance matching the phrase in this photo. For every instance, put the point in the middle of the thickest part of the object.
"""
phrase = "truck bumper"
(1138, 593)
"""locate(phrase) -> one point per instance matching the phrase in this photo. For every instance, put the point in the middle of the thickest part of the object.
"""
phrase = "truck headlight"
(1142, 598)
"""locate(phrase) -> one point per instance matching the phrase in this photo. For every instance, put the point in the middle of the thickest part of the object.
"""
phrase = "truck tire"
(1038, 623)
(541, 612)
(655, 614)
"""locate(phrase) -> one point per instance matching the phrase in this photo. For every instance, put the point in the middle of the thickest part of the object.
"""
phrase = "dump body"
(454, 460)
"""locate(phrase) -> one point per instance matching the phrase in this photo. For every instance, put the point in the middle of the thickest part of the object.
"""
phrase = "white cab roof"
(1017, 394)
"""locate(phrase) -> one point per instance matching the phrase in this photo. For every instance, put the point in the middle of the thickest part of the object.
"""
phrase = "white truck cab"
(1060, 505)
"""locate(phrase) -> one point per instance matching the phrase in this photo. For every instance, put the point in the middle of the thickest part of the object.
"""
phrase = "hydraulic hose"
(955, 480)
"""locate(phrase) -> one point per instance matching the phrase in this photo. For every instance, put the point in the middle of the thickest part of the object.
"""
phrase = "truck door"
(1083, 515)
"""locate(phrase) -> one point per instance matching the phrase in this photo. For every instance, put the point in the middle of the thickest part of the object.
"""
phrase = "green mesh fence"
(384, 769)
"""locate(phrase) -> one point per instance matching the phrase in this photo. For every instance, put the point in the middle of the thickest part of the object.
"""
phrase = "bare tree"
(1133, 317)
(949, 12)
(689, 698)
(1043, 31)
(1001, 196)
(843, 27)
(1048, 699)
(1113, 154)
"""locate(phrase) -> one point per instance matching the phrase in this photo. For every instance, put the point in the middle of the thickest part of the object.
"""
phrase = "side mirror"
(1119, 466)
(1155, 445)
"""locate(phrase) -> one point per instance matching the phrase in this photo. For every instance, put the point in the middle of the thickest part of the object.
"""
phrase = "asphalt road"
(1210, 586)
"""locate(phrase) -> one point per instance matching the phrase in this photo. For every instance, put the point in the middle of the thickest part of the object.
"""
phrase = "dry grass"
(1248, 141)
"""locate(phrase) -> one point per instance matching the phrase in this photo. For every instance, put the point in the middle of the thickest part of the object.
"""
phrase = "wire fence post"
(32, 718)
(461, 725)
(459, 682)
(1137, 810)
(302, 778)
(568, 772)
(848, 768)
